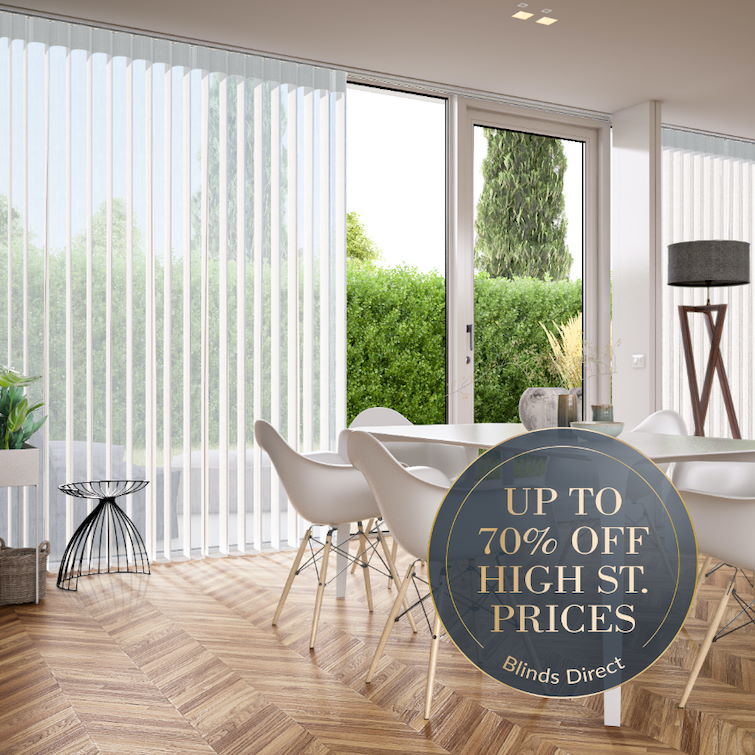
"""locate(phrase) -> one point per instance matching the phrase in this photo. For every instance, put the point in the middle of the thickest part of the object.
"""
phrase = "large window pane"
(396, 247)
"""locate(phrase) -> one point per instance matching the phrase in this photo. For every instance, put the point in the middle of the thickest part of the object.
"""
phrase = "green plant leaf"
(10, 378)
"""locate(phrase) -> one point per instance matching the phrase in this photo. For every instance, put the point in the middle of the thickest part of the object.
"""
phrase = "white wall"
(635, 259)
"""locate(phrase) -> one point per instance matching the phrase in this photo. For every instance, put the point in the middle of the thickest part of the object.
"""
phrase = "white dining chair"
(722, 478)
(324, 491)
(408, 499)
(450, 459)
(724, 526)
(665, 422)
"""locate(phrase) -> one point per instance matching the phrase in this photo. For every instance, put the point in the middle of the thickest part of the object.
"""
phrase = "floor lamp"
(708, 264)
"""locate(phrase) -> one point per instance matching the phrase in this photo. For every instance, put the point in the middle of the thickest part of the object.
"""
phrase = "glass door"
(529, 257)
(528, 260)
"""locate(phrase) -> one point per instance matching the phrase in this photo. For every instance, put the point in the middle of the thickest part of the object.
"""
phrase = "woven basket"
(17, 573)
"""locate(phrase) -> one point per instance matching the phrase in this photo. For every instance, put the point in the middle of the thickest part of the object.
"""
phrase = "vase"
(538, 407)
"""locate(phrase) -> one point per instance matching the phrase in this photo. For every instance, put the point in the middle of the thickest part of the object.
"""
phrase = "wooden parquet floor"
(186, 661)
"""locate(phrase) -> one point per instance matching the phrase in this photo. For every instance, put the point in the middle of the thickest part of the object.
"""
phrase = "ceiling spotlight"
(522, 15)
(546, 21)
(546, 11)
(522, 5)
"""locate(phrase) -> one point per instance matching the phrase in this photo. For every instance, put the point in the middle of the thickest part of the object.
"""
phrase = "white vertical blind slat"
(46, 306)
(323, 244)
(338, 136)
(88, 147)
(167, 259)
(25, 276)
(307, 342)
(129, 234)
(10, 249)
(240, 316)
(223, 313)
(150, 330)
(109, 269)
(186, 325)
(69, 368)
(204, 308)
(292, 269)
(257, 311)
(275, 282)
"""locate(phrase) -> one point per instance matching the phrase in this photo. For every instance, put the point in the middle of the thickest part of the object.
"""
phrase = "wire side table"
(107, 541)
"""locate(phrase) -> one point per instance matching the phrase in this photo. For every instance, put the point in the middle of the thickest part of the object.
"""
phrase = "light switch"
(638, 361)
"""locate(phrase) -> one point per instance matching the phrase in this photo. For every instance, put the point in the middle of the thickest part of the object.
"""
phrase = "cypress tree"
(521, 226)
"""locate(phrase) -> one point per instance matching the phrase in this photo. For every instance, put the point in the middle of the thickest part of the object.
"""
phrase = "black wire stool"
(106, 534)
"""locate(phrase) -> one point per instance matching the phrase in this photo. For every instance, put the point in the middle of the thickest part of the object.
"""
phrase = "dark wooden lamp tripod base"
(714, 319)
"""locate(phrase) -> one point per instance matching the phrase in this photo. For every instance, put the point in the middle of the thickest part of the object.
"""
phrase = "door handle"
(470, 333)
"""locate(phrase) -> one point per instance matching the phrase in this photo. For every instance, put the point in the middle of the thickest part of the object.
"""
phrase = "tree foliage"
(396, 341)
(359, 246)
(521, 226)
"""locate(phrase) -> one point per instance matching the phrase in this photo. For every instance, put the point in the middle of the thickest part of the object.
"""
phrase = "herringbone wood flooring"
(186, 661)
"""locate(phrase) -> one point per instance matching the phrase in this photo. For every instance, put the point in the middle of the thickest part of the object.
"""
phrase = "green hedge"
(396, 340)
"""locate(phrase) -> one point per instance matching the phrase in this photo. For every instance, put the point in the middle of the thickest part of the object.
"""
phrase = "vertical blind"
(708, 184)
(172, 230)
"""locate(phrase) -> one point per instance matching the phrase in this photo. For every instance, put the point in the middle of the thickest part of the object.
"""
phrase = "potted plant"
(538, 406)
(19, 420)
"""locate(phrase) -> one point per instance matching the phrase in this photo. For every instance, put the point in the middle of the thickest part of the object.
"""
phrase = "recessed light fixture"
(522, 15)
(546, 21)
(522, 5)
(546, 11)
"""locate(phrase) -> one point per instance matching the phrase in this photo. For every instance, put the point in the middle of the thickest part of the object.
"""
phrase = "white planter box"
(19, 467)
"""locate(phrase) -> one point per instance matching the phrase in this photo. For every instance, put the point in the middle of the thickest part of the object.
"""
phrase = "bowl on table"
(607, 428)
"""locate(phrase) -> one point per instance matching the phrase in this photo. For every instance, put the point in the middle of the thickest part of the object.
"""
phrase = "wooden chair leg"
(390, 559)
(389, 623)
(320, 588)
(365, 565)
(707, 561)
(708, 641)
(394, 552)
(704, 570)
(360, 550)
(292, 574)
(431, 666)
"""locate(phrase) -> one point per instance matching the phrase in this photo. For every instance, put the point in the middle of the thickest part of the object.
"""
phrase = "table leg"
(342, 535)
(36, 544)
(612, 707)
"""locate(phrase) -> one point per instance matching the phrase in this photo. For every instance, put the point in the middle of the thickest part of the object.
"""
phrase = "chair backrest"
(451, 460)
(720, 496)
(665, 422)
(724, 526)
(408, 498)
(323, 493)
(722, 478)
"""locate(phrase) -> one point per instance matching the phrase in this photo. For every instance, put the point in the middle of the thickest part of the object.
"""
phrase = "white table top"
(660, 448)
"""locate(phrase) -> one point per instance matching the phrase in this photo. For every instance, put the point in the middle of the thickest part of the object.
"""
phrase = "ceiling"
(698, 58)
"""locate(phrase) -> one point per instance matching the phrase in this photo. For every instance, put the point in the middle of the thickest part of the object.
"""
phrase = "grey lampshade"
(709, 263)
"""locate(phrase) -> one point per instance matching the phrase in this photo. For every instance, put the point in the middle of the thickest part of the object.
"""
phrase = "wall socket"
(638, 361)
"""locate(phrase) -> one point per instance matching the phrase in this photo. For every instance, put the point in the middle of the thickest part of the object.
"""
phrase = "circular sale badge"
(562, 562)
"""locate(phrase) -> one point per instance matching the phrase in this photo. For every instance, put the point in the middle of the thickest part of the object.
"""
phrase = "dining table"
(662, 449)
